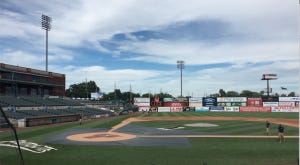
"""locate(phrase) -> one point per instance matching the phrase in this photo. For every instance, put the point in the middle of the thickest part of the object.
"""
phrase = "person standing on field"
(281, 133)
(268, 124)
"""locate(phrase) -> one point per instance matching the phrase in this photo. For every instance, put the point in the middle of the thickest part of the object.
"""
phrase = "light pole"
(180, 65)
(46, 24)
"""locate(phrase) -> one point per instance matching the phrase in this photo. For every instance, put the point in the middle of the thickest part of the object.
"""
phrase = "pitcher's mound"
(101, 137)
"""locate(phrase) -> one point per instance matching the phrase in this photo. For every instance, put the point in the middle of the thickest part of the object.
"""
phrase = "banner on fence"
(195, 99)
(168, 99)
(270, 104)
(223, 104)
(255, 109)
(232, 99)
(288, 98)
(201, 109)
(195, 104)
(141, 100)
(238, 104)
(216, 109)
(176, 109)
(140, 104)
(254, 101)
(143, 109)
(209, 101)
(175, 104)
(287, 103)
(231, 109)
(285, 109)
(163, 109)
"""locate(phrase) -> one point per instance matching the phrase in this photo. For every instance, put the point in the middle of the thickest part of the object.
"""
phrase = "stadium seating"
(6, 101)
(87, 112)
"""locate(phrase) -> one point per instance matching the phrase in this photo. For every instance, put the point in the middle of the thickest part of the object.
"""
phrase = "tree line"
(84, 90)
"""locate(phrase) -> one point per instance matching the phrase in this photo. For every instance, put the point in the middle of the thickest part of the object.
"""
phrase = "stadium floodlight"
(46, 24)
(180, 65)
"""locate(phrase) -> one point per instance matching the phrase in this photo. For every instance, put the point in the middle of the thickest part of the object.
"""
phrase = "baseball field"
(183, 138)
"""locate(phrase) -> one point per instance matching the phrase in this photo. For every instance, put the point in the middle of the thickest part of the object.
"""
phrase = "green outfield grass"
(224, 127)
(209, 151)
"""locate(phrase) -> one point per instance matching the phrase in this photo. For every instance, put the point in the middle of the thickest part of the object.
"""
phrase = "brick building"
(22, 81)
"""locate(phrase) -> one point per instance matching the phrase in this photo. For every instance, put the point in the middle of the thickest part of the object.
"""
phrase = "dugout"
(45, 120)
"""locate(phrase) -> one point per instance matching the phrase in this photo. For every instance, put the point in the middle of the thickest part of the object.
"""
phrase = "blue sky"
(225, 45)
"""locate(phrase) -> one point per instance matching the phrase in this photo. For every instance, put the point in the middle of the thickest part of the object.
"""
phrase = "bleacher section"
(41, 111)
(6, 101)
(86, 112)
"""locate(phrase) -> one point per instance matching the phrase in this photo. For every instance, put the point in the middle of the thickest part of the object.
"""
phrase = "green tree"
(292, 94)
(147, 95)
(82, 90)
(222, 93)
(232, 94)
(162, 95)
(248, 93)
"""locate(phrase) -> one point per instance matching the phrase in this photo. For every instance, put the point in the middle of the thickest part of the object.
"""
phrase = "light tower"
(46, 24)
(180, 65)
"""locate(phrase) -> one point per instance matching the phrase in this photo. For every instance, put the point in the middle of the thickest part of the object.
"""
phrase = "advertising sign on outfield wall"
(163, 109)
(238, 104)
(216, 109)
(270, 99)
(176, 109)
(176, 104)
(254, 101)
(255, 109)
(201, 109)
(270, 104)
(181, 99)
(195, 99)
(231, 109)
(285, 109)
(139, 104)
(209, 101)
(287, 103)
(223, 104)
(195, 104)
(168, 99)
(232, 99)
(143, 109)
(288, 98)
(142, 100)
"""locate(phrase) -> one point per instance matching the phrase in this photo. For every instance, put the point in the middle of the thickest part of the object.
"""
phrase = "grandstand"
(37, 97)
(20, 81)
(6, 101)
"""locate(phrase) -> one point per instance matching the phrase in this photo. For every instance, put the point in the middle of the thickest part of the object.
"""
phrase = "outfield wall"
(233, 104)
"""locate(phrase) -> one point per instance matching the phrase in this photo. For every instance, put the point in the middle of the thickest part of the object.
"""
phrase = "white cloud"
(195, 53)
(268, 28)
(20, 58)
